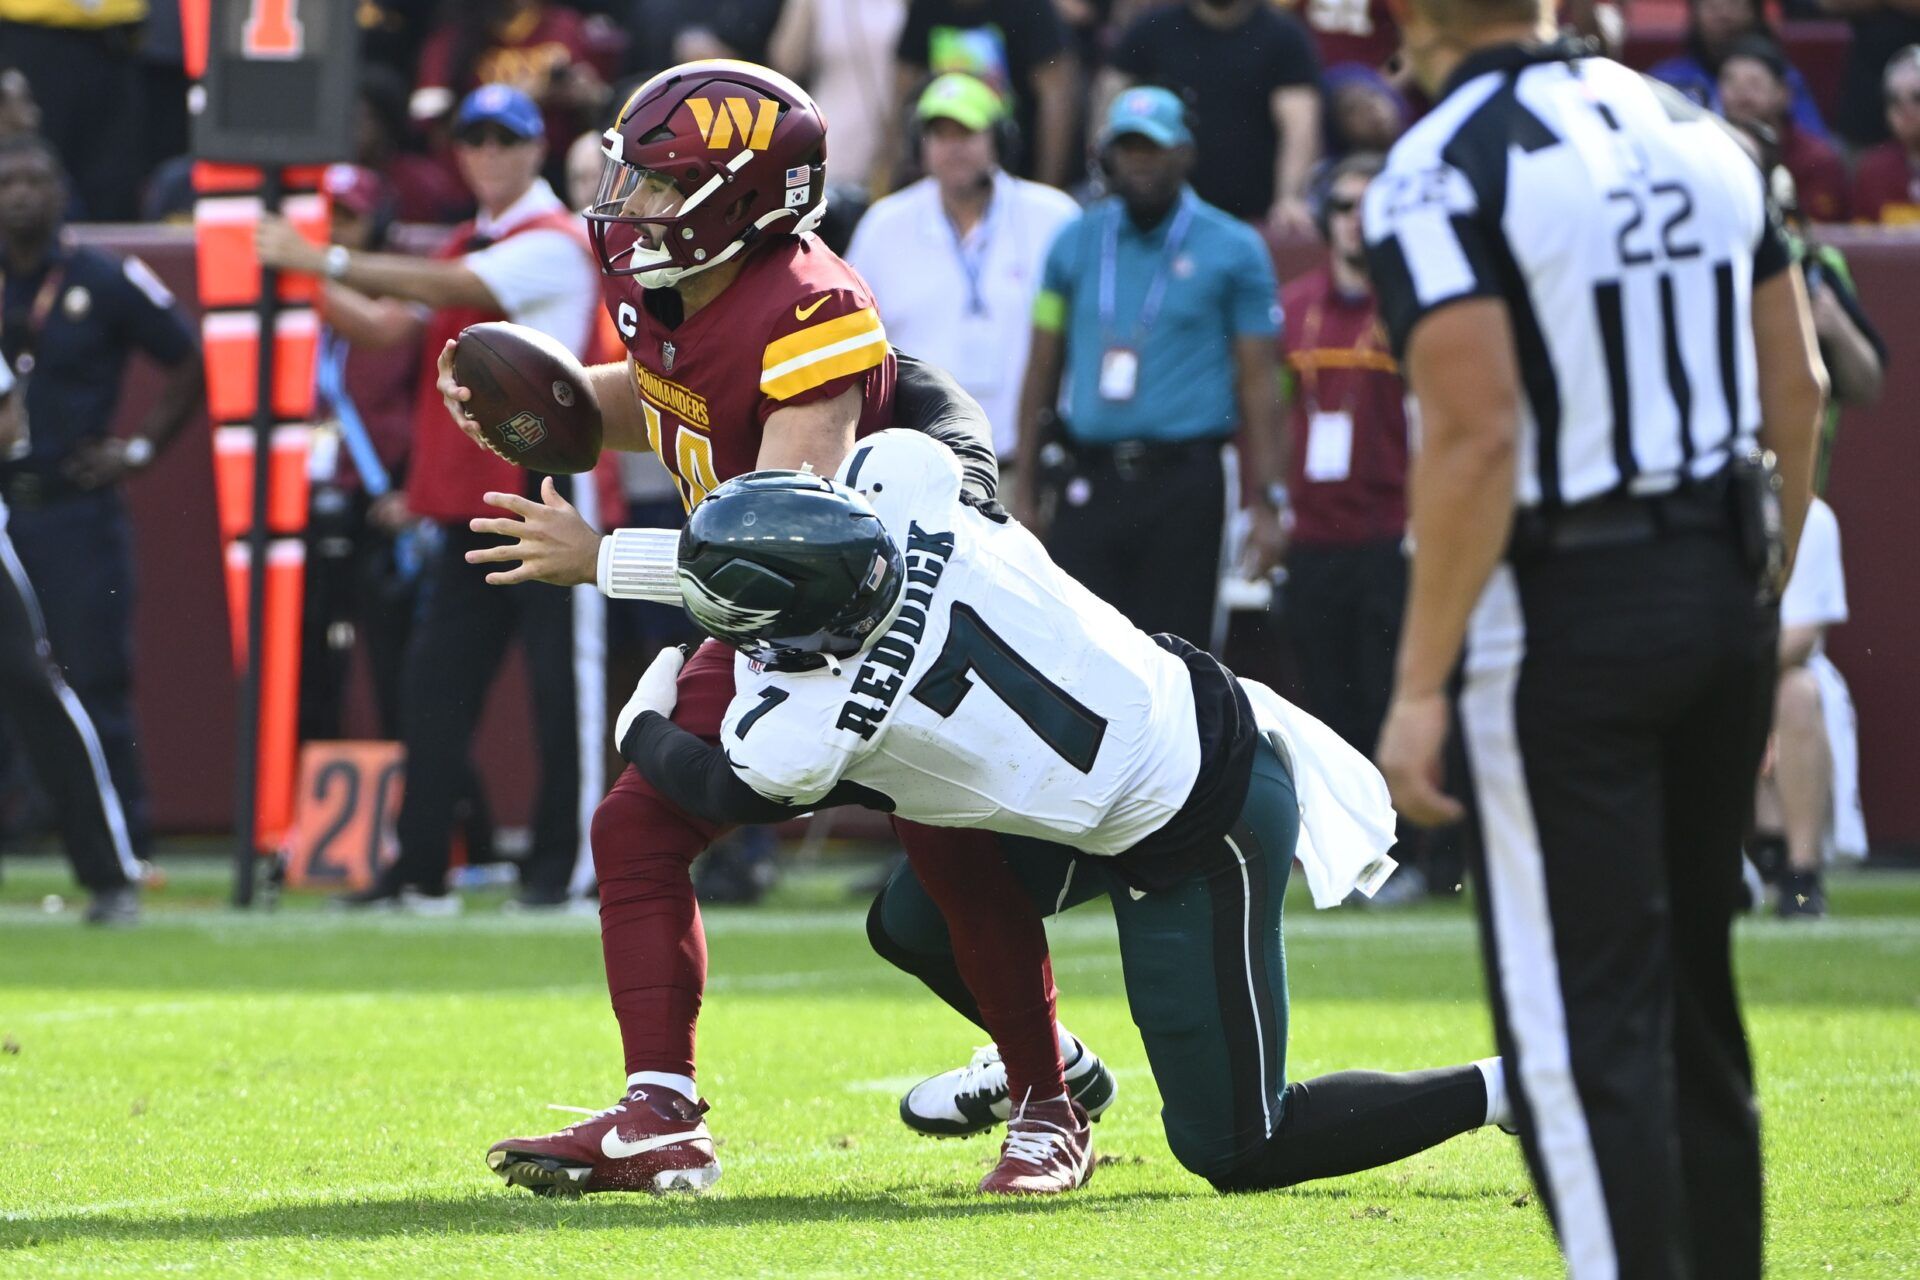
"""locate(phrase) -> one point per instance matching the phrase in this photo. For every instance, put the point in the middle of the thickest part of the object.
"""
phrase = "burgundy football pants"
(656, 952)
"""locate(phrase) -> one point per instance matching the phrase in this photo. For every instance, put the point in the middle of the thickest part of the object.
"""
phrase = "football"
(530, 397)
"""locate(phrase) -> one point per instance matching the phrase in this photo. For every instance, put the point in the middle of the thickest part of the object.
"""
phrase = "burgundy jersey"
(797, 325)
(1361, 31)
(1348, 418)
(1886, 187)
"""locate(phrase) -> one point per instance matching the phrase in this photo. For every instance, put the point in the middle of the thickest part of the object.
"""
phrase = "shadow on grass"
(495, 1214)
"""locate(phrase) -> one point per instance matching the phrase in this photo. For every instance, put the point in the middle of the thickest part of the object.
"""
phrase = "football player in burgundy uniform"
(752, 346)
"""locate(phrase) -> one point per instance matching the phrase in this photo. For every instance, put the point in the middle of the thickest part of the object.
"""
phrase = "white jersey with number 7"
(1001, 694)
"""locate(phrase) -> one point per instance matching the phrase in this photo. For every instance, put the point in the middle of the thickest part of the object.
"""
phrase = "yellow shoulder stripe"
(815, 336)
(836, 348)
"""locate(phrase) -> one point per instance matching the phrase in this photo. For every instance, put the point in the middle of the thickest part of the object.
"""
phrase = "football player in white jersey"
(908, 651)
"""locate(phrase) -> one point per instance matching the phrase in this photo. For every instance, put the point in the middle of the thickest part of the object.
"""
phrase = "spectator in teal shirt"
(1153, 347)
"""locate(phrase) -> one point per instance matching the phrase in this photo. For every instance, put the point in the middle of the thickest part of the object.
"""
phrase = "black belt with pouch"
(1743, 500)
(1754, 485)
(1131, 459)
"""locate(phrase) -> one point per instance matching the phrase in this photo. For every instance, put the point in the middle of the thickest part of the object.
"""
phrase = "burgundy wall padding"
(185, 688)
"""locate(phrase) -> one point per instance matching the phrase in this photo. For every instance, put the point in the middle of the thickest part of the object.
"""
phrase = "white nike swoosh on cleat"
(614, 1149)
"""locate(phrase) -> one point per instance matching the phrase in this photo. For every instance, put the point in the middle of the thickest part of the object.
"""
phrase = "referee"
(1589, 296)
(58, 734)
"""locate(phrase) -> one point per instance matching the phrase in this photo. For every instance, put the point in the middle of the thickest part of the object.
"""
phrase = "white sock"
(1499, 1109)
(1071, 1050)
(682, 1085)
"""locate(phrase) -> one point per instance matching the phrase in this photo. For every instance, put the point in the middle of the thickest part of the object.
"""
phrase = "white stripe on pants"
(1529, 969)
(116, 818)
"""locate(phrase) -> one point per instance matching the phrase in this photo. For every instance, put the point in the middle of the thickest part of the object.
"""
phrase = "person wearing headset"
(1153, 348)
(954, 260)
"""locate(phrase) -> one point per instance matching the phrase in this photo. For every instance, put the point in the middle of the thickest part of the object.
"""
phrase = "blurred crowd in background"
(975, 149)
(1299, 83)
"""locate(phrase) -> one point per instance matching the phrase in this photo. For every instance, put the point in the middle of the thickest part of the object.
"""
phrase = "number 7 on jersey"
(1055, 716)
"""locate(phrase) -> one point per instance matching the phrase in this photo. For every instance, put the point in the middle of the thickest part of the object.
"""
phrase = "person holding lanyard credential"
(1153, 344)
(954, 260)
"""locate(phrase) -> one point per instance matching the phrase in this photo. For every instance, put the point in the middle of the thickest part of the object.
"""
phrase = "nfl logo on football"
(523, 431)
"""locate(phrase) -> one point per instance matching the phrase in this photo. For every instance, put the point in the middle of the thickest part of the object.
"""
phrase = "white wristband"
(639, 564)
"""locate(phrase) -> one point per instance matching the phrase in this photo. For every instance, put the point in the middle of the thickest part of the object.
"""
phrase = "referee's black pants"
(59, 736)
(1141, 527)
(458, 645)
(1614, 708)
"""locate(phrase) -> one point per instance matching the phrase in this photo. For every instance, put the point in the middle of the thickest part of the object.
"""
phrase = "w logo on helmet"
(754, 122)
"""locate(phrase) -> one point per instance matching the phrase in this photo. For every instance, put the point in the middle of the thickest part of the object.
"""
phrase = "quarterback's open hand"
(550, 540)
(1409, 756)
(455, 397)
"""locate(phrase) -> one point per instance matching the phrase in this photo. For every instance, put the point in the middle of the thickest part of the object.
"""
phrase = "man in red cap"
(523, 258)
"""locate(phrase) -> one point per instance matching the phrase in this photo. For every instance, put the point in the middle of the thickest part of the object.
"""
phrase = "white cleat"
(973, 1099)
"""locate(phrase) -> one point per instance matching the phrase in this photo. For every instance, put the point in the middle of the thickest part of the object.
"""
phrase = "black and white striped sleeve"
(1431, 241)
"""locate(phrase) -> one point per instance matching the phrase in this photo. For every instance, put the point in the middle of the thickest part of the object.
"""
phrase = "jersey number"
(770, 698)
(1073, 731)
(1669, 202)
(692, 462)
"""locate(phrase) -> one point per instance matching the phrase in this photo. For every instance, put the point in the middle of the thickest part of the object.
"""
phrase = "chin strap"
(640, 564)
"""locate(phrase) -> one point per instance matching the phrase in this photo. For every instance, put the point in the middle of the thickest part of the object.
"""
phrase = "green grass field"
(300, 1094)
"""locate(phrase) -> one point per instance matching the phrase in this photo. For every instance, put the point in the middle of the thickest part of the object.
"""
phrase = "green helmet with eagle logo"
(789, 568)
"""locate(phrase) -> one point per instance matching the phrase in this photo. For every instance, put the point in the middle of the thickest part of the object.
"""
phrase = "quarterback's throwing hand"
(455, 397)
(1409, 756)
(658, 691)
(549, 539)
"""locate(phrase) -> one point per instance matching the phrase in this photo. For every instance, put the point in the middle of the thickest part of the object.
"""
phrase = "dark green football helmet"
(789, 568)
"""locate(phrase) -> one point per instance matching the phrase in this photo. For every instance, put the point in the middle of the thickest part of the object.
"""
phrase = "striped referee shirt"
(1624, 228)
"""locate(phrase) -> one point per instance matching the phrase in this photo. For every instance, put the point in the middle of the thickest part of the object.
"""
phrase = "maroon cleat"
(1048, 1149)
(651, 1140)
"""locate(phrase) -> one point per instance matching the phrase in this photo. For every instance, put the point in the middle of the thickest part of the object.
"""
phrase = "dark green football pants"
(1206, 979)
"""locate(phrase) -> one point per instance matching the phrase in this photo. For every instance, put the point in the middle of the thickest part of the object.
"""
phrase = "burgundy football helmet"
(704, 159)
